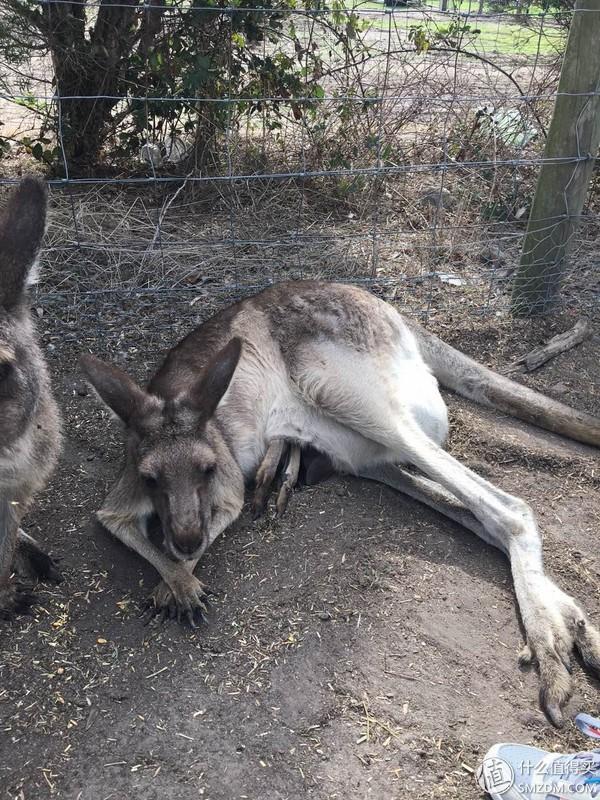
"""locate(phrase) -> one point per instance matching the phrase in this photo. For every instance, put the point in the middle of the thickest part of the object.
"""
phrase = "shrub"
(214, 63)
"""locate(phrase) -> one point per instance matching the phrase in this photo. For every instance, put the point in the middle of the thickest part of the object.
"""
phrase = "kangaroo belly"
(421, 395)
(346, 400)
(349, 449)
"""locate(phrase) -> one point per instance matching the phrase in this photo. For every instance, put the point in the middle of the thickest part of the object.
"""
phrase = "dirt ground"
(362, 646)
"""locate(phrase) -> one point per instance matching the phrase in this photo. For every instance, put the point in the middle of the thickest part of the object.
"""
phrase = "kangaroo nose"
(185, 538)
(185, 528)
(186, 546)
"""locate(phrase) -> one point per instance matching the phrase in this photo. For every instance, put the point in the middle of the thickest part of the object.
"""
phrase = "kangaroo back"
(456, 371)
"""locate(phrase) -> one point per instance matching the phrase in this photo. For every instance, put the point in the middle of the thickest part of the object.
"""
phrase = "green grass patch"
(497, 34)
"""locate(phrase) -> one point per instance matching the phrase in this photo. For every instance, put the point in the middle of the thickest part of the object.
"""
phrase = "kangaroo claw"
(186, 602)
(15, 598)
(556, 627)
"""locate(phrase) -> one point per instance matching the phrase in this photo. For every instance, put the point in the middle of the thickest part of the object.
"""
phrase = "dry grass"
(231, 240)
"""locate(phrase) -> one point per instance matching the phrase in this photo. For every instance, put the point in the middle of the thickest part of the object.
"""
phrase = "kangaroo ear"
(120, 393)
(21, 230)
(207, 392)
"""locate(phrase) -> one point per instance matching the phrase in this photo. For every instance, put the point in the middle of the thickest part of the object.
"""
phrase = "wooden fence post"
(571, 149)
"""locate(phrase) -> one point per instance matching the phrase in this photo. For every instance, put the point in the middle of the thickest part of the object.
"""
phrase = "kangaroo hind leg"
(370, 401)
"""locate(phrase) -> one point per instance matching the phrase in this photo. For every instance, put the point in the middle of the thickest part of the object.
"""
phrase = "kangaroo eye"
(205, 470)
(150, 481)
(5, 370)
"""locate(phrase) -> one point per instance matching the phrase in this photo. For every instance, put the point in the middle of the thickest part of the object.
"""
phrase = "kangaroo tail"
(466, 377)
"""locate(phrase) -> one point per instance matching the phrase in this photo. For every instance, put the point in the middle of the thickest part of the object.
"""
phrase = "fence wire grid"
(403, 158)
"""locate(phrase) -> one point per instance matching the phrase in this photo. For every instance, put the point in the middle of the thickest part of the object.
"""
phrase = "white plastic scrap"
(508, 125)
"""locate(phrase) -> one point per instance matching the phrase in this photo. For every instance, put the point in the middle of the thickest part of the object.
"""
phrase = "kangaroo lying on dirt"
(333, 367)
(29, 418)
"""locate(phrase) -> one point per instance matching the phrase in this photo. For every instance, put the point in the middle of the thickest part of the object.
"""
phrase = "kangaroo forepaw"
(33, 563)
(557, 627)
(267, 471)
(283, 498)
(186, 602)
(260, 500)
(262, 493)
(15, 598)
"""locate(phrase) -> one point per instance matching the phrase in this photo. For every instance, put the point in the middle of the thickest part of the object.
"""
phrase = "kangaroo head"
(22, 227)
(181, 459)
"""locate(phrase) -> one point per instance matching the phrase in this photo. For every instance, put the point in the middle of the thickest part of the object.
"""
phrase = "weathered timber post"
(569, 157)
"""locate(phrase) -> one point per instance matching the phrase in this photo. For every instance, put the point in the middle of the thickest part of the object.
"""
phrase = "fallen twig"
(558, 344)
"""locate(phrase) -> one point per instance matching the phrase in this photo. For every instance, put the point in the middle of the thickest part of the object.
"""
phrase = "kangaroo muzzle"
(185, 528)
(185, 540)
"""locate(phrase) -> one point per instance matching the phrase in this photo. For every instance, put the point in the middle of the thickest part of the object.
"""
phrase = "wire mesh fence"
(393, 146)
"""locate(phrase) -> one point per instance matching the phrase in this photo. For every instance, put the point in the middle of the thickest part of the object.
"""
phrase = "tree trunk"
(87, 69)
(570, 154)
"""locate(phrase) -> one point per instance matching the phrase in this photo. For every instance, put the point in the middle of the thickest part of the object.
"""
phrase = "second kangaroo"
(333, 367)
(29, 419)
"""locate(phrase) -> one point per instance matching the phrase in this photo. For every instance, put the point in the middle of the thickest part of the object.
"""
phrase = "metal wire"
(437, 173)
